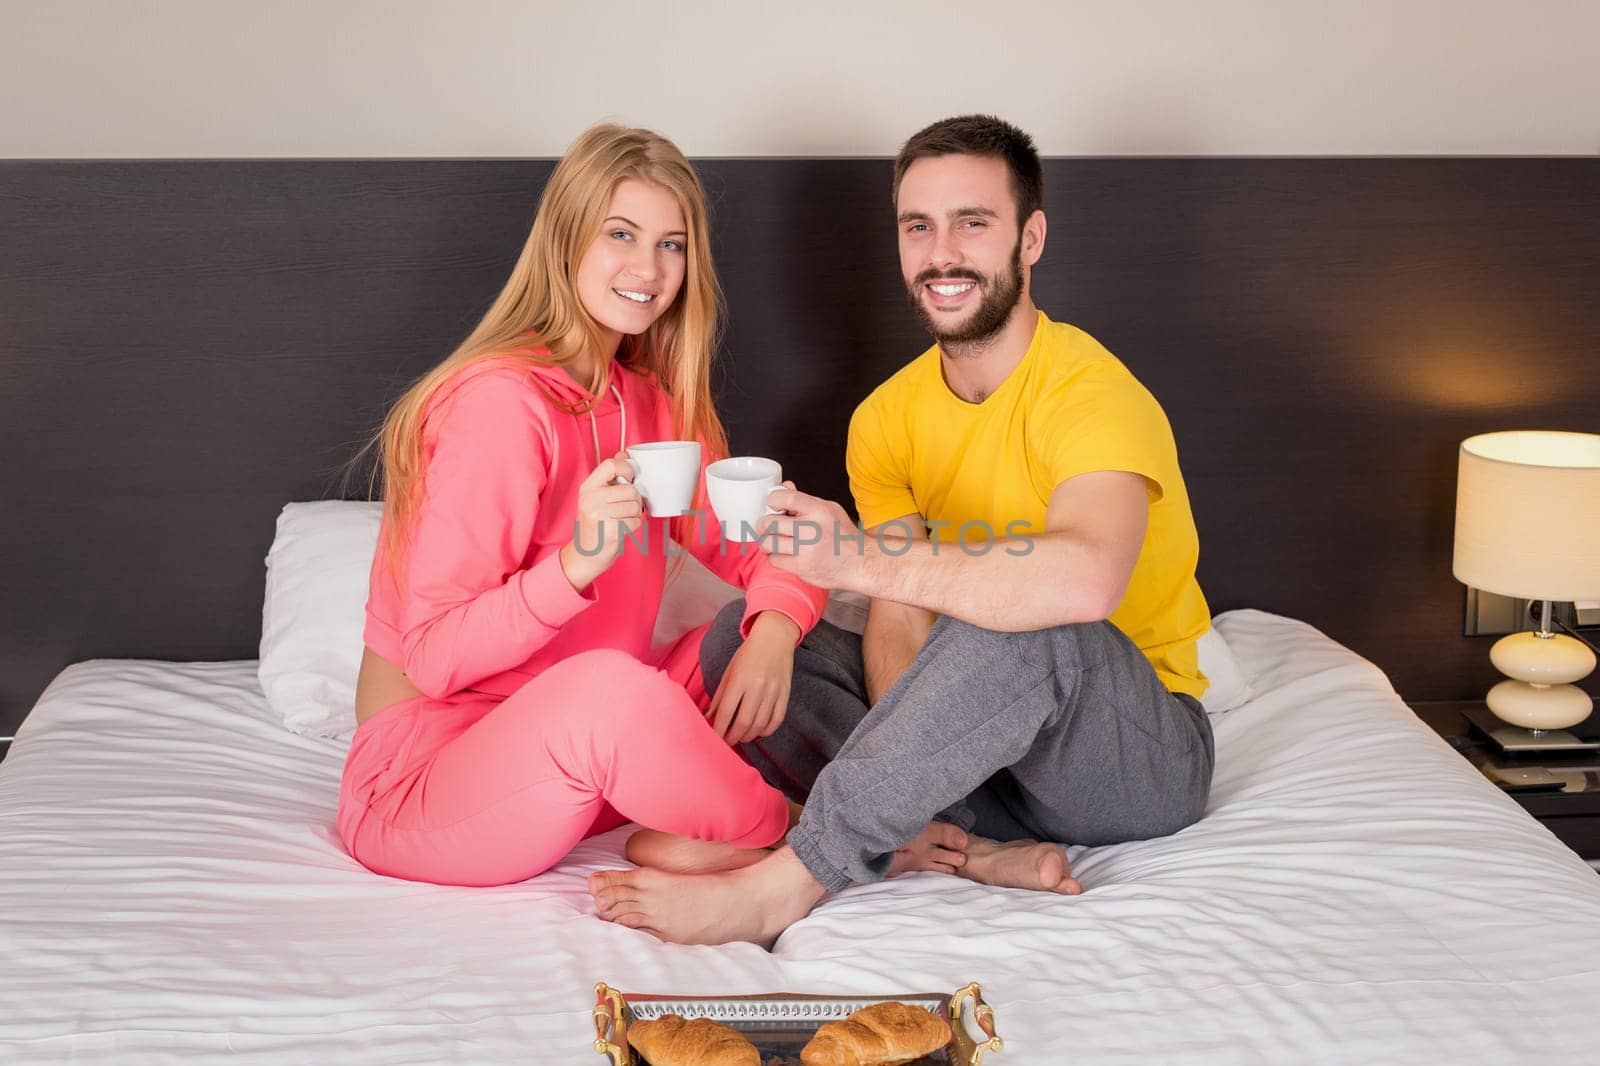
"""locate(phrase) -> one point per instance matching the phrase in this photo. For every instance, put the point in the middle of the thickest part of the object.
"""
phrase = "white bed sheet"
(171, 890)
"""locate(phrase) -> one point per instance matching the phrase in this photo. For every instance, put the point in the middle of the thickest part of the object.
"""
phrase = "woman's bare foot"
(1020, 864)
(754, 903)
(685, 855)
(940, 848)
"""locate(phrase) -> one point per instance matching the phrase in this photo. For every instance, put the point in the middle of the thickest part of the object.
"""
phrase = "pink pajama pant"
(478, 790)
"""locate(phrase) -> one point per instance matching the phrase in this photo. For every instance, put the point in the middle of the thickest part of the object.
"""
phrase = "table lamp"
(1528, 527)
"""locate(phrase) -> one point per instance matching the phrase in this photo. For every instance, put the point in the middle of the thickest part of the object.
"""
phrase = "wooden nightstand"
(1572, 814)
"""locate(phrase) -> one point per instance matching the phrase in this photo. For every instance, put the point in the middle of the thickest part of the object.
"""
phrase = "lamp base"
(1536, 706)
(1512, 738)
(1540, 694)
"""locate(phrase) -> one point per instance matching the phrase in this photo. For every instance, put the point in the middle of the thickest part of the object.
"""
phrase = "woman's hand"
(609, 508)
(754, 695)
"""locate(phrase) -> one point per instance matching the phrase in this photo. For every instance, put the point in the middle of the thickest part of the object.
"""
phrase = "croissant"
(671, 1041)
(879, 1035)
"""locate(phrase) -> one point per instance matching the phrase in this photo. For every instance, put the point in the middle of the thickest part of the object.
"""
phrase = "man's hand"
(814, 539)
(753, 697)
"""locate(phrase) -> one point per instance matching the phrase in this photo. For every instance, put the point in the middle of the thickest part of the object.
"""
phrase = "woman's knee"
(602, 684)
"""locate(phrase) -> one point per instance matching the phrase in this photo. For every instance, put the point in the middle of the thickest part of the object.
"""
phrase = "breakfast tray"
(780, 1024)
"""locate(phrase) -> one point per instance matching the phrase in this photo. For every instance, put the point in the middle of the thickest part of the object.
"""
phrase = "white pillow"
(1229, 687)
(315, 611)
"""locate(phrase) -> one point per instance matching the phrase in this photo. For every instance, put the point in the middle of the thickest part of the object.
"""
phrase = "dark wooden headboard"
(186, 346)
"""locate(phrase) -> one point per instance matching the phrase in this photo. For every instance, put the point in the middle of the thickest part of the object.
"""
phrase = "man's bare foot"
(940, 848)
(754, 903)
(685, 855)
(1019, 864)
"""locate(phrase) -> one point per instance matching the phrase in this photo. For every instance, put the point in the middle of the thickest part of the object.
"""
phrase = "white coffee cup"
(666, 472)
(738, 489)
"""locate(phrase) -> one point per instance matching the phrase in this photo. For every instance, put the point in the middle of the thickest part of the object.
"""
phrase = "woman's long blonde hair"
(539, 308)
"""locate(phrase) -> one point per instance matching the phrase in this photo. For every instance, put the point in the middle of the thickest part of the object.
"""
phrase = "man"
(1029, 658)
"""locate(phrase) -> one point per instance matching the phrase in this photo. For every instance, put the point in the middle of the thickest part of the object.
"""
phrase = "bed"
(185, 346)
(1356, 892)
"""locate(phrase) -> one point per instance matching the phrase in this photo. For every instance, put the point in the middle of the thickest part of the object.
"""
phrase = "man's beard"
(1000, 294)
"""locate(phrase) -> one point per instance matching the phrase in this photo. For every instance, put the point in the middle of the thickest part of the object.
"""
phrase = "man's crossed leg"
(1019, 739)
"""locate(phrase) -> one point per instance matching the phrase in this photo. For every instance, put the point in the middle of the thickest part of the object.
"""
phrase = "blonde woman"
(509, 702)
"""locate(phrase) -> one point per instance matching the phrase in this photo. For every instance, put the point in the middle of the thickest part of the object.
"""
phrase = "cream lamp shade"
(1528, 527)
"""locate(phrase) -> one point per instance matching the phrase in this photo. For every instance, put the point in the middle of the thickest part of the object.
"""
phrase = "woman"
(509, 702)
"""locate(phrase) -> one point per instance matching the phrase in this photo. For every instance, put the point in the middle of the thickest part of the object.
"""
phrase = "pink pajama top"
(483, 603)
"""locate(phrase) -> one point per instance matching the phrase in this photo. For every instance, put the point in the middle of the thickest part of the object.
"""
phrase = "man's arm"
(895, 631)
(1076, 571)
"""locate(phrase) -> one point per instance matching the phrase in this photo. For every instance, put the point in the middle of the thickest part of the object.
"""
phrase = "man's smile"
(949, 294)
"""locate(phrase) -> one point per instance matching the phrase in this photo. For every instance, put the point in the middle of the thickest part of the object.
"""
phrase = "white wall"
(221, 78)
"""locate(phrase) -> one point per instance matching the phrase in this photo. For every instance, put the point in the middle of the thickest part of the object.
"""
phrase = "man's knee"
(721, 641)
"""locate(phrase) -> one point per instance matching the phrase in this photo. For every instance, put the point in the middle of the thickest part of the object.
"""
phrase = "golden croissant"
(879, 1035)
(671, 1041)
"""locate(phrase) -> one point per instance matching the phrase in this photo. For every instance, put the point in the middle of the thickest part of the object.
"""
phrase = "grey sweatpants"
(1062, 734)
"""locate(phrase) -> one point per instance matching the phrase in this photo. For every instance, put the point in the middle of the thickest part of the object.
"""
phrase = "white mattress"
(171, 891)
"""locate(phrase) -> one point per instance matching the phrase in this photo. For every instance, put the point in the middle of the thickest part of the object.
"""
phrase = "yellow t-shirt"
(1069, 408)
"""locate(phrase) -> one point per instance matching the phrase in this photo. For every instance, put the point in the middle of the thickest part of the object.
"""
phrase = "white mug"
(738, 489)
(666, 472)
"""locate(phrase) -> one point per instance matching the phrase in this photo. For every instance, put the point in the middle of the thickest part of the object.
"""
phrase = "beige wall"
(185, 78)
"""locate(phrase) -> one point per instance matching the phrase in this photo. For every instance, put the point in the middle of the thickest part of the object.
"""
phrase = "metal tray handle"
(971, 1054)
(608, 1024)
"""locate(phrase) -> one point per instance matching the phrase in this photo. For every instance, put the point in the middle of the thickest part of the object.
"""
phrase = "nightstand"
(1573, 814)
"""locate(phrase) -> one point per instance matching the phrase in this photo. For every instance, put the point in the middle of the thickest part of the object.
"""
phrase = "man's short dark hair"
(981, 135)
